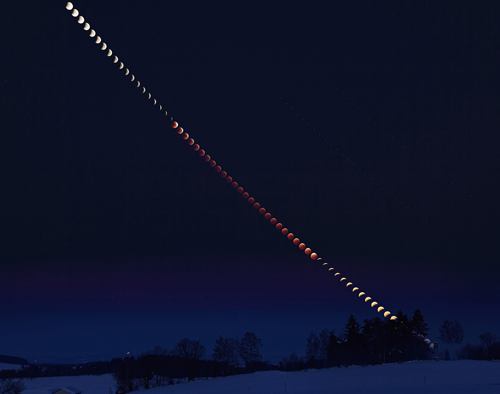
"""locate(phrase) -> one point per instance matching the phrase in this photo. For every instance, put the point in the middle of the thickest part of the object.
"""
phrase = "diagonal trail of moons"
(207, 158)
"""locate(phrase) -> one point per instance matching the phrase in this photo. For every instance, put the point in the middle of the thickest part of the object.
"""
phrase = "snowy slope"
(457, 377)
(88, 384)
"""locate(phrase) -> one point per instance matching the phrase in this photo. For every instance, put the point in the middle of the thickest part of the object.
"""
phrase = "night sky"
(369, 129)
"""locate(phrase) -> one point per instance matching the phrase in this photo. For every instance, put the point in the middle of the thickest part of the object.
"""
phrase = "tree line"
(375, 341)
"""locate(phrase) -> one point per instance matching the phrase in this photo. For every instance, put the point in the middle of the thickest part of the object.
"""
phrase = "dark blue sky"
(369, 130)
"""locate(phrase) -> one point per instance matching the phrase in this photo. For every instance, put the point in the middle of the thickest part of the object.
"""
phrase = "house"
(67, 390)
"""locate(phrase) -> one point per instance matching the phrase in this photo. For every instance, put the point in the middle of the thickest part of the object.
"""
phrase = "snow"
(9, 366)
(94, 384)
(443, 377)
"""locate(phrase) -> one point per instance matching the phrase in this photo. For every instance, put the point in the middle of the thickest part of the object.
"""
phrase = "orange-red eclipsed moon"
(274, 221)
(279, 226)
(290, 236)
(302, 246)
(175, 125)
(314, 256)
(296, 241)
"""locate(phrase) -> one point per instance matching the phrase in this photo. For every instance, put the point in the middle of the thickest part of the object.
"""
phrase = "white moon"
(92, 33)
(75, 12)
(126, 71)
(116, 59)
(121, 65)
(104, 46)
(69, 6)
(98, 40)
(110, 52)
(86, 26)
(132, 77)
(149, 97)
(81, 19)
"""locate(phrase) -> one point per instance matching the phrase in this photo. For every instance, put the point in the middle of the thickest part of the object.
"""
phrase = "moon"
(98, 40)
(86, 27)
(110, 52)
(75, 13)
(69, 6)
(104, 46)
(81, 19)
(92, 33)
(116, 59)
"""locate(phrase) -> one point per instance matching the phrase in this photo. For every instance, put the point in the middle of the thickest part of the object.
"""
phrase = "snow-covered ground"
(9, 366)
(99, 384)
(444, 377)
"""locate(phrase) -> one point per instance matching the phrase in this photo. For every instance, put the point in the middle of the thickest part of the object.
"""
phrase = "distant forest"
(376, 341)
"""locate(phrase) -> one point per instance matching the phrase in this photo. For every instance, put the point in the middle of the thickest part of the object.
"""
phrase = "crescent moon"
(361, 294)
(154, 102)
(343, 279)
(386, 313)
(126, 71)
(355, 289)
(330, 269)
(160, 107)
(116, 59)
(380, 308)
(348, 284)
(104, 46)
(92, 33)
(81, 19)
(149, 98)
(394, 318)
(98, 40)
(110, 52)
(367, 299)
(374, 303)
(324, 263)
(132, 77)
(69, 6)
(75, 13)
(121, 65)
(139, 84)
(86, 27)
(166, 113)
(337, 273)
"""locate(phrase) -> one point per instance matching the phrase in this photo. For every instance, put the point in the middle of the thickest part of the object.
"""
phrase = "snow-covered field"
(457, 377)
(9, 366)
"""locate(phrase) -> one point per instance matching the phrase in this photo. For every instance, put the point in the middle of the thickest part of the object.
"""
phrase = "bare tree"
(190, 351)
(452, 333)
(226, 353)
(11, 386)
(249, 349)
(312, 349)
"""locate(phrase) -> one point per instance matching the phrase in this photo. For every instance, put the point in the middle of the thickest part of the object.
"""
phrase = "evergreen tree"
(353, 343)
(334, 351)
